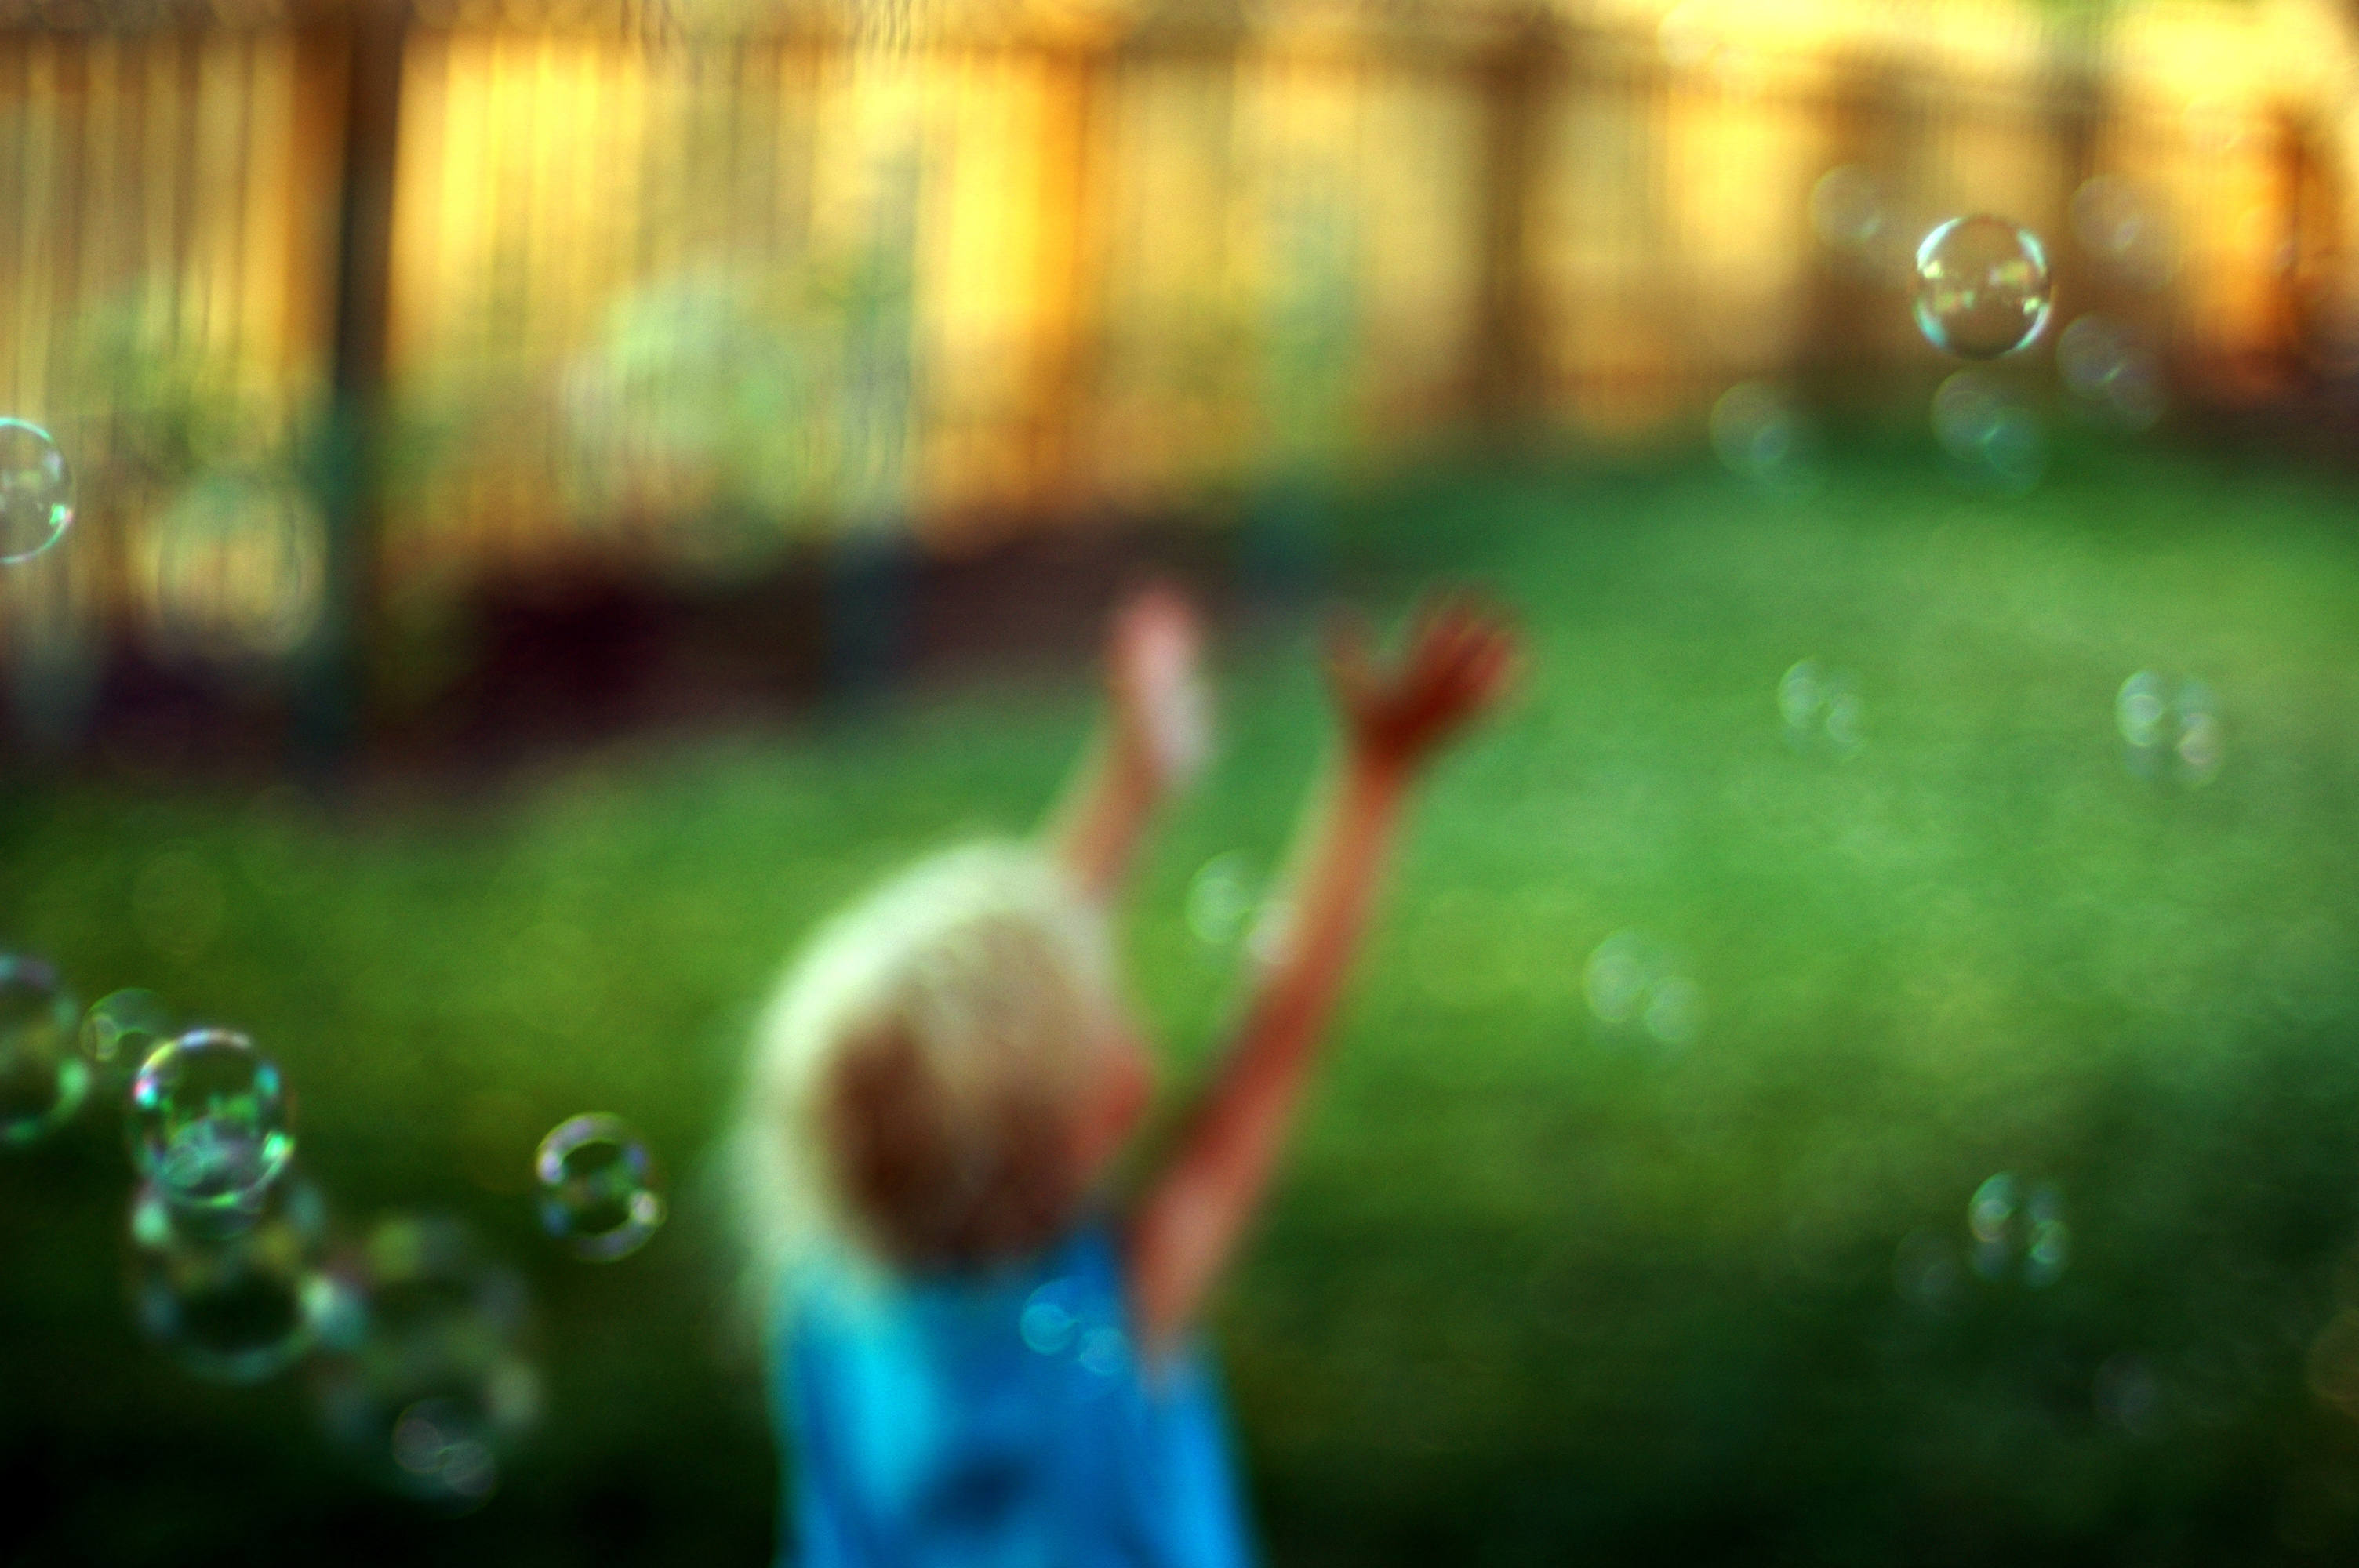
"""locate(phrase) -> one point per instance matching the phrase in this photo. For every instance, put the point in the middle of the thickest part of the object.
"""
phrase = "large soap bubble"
(237, 1307)
(597, 1187)
(211, 1122)
(435, 1387)
(42, 1079)
(36, 492)
(1982, 287)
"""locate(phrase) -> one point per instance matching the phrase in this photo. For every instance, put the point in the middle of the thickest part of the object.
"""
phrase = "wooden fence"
(680, 294)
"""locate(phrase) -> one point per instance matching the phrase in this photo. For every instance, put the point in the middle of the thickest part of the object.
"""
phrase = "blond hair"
(911, 1085)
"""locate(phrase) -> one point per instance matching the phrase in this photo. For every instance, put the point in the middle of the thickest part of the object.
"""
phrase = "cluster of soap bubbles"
(2170, 730)
(1637, 986)
(2018, 1232)
(1763, 433)
(37, 502)
(1821, 709)
(440, 1385)
(419, 1342)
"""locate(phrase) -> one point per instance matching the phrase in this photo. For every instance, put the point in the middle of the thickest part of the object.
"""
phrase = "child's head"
(945, 1071)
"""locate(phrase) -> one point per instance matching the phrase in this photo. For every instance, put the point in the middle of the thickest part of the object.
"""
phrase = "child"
(973, 1362)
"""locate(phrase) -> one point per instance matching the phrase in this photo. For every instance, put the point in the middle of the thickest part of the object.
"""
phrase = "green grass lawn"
(1535, 1287)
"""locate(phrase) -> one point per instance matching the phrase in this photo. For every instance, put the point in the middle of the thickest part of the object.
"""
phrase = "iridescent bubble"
(1926, 1271)
(1762, 434)
(1822, 709)
(597, 1192)
(211, 1122)
(122, 1029)
(37, 503)
(2170, 729)
(1848, 208)
(2014, 1233)
(431, 1384)
(2108, 366)
(1221, 897)
(2127, 1393)
(2121, 223)
(240, 1306)
(1635, 984)
(1982, 287)
(42, 1077)
(1994, 439)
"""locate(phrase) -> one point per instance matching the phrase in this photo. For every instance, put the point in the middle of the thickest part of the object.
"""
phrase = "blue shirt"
(997, 1422)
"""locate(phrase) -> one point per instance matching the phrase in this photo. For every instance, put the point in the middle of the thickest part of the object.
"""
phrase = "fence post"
(332, 684)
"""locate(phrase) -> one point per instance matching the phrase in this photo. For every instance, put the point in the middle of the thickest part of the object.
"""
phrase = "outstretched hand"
(1463, 657)
(1162, 716)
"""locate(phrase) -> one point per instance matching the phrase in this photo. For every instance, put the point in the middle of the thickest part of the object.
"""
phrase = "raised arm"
(1192, 1215)
(1155, 738)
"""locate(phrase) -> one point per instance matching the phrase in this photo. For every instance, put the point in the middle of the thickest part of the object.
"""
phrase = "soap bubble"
(2170, 729)
(122, 1029)
(1636, 984)
(1822, 709)
(1982, 287)
(2126, 1392)
(2121, 223)
(430, 1384)
(597, 1195)
(235, 1307)
(1221, 898)
(42, 1079)
(2109, 367)
(36, 492)
(210, 1121)
(1848, 208)
(1992, 438)
(2015, 1232)
(1762, 434)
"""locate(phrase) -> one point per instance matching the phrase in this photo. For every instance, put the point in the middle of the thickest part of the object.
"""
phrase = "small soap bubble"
(1992, 438)
(1760, 433)
(37, 503)
(2017, 1233)
(430, 1385)
(1849, 209)
(122, 1029)
(43, 1077)
(597, 1187)
(2127, 1393)
(1104, 1351)
(1926, 1270)
(441, 1443)
(1821, 709)
(211, 1122)
(2170, 729)
(2121, 223)
(1982, 287)
(1050, 1320)
(2111, 371)
(234, 1306)
(1221, 898)
(1636, 984)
